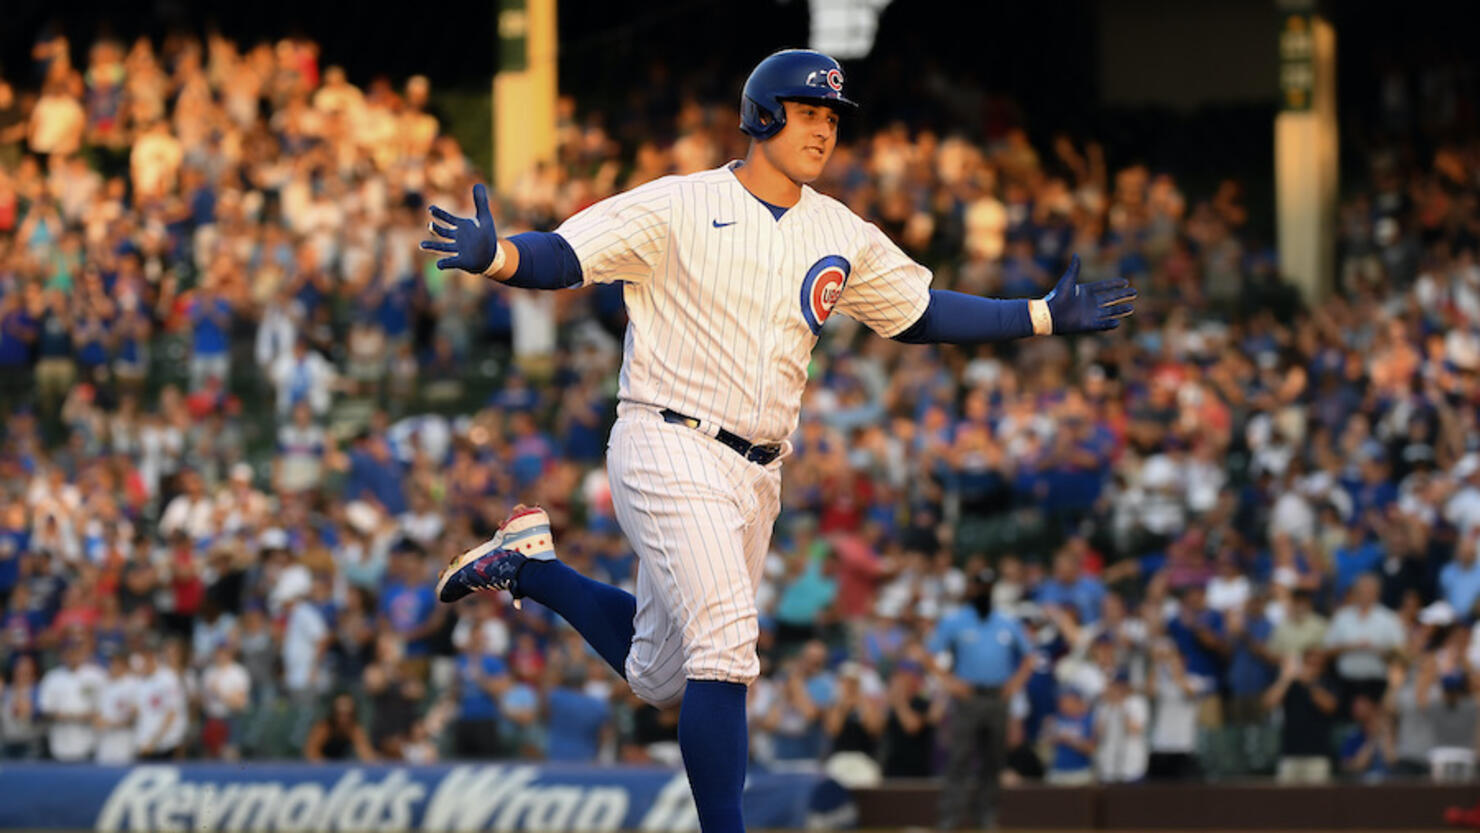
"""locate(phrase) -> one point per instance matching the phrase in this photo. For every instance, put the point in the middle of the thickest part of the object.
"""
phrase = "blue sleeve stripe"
(546, 261)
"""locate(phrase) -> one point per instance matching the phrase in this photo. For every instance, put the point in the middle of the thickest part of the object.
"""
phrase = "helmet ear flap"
(760, 121)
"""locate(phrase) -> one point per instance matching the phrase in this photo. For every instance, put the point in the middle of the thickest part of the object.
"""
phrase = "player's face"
(804, 145)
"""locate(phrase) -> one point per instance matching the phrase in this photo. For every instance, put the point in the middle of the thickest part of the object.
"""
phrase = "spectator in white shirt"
(161, 725)
(306, 640)
(239, 505)
(1230, 588)
(1364, 635)
(422, 522)
(1121, 719)
(57, 121)
(155, 162)
(302, 376)
(1463, 507)
(117, 709)
(192, 511)
(277, 331)
(69, 700)
(302, 448)
(225, 692)
(1177, 695)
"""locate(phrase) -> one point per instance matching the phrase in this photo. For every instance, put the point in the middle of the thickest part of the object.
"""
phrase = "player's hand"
(1083, 308)
(473, 243)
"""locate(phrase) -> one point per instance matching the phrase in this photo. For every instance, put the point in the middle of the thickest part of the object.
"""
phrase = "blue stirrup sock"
(715, 742)
(712, 733)
(599, 612)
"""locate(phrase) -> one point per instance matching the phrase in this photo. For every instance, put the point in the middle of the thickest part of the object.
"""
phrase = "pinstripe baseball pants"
(700, 518)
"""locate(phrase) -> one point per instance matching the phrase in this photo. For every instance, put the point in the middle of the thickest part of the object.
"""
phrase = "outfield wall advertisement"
(288, 797)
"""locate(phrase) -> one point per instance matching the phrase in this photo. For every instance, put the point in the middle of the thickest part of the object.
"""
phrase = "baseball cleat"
(494, 564)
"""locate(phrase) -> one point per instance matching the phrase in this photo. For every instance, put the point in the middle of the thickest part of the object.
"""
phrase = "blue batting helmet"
(788, 75)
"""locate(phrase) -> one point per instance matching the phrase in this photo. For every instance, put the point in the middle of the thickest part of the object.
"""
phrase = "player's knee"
(726, 653)
(732, 668)
(744, 675)
(658, 694)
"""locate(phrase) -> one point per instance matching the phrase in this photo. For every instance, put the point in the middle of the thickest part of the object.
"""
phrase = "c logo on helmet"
(835, 80)
(821, 289)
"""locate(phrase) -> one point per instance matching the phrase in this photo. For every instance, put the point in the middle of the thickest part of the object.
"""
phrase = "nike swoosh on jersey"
(718, 224)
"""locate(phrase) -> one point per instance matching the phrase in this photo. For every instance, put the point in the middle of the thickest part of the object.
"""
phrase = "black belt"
(762, 454)
(987, 689)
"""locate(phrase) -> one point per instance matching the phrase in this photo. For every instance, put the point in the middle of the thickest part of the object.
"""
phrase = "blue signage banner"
(199, 798)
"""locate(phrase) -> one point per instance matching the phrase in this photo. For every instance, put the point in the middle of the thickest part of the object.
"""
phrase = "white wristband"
(1042, 319)
(499, 258)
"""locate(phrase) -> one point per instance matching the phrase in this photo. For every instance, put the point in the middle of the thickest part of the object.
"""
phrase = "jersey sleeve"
(1020, 638)
(623, 237)
(944, 635)
(888, 291)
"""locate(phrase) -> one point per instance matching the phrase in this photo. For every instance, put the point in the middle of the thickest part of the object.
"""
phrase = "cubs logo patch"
(821, 289)
(835, 80)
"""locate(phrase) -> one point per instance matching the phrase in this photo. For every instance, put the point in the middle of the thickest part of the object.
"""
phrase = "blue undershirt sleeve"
(546, 261)
(958, 318)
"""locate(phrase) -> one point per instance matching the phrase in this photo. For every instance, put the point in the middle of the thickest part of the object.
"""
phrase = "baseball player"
(728, 276)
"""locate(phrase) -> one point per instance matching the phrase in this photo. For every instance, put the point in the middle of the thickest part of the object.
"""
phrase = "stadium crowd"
(245, 422)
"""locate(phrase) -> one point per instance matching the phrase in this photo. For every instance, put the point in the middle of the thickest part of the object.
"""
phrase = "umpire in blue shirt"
(990, 660)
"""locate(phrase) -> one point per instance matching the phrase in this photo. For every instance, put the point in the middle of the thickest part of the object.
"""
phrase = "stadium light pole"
(1306, 147)
(524, 133)
(524, 89)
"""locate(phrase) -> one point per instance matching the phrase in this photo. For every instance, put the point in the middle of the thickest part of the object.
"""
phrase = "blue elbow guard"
(546, 261)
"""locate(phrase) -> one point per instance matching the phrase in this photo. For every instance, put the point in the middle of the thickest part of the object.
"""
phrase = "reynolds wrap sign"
(288, 797)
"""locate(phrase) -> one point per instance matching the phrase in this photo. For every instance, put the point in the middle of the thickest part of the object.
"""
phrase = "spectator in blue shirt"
(15, 541)
(1357, 556)
(55, 369)
(1375, 488)
(807, 589)
(794, 718)
(1459, 581)
(1252, 668)
(210, 326)
(519, 716)
(515, 396)
(18, 333)
(532, 450)
(398, 300)
(1198, 633)
(408, 603)
(1071, 730)
(481, 680)
(1369, 748)
(1070, 586)
(92, 334)
(376, 474)
(578, 721)
(990, 659)
(581, 419)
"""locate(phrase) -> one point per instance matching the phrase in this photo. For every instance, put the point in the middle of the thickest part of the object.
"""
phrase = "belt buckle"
(761, 454)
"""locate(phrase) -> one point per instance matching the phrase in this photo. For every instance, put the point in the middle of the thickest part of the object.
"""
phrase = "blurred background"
(244, 420)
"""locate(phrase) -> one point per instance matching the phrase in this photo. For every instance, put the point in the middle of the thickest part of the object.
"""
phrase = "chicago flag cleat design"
(494, 564)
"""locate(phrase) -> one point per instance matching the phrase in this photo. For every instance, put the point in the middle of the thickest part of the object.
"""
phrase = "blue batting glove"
(473, 243)
(1083, 308)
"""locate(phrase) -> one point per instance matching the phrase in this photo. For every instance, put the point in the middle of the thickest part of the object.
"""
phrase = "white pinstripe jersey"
(725, 302)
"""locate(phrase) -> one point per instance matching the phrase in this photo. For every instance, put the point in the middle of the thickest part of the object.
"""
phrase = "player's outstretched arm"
(1072, 307)
(532, 260)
